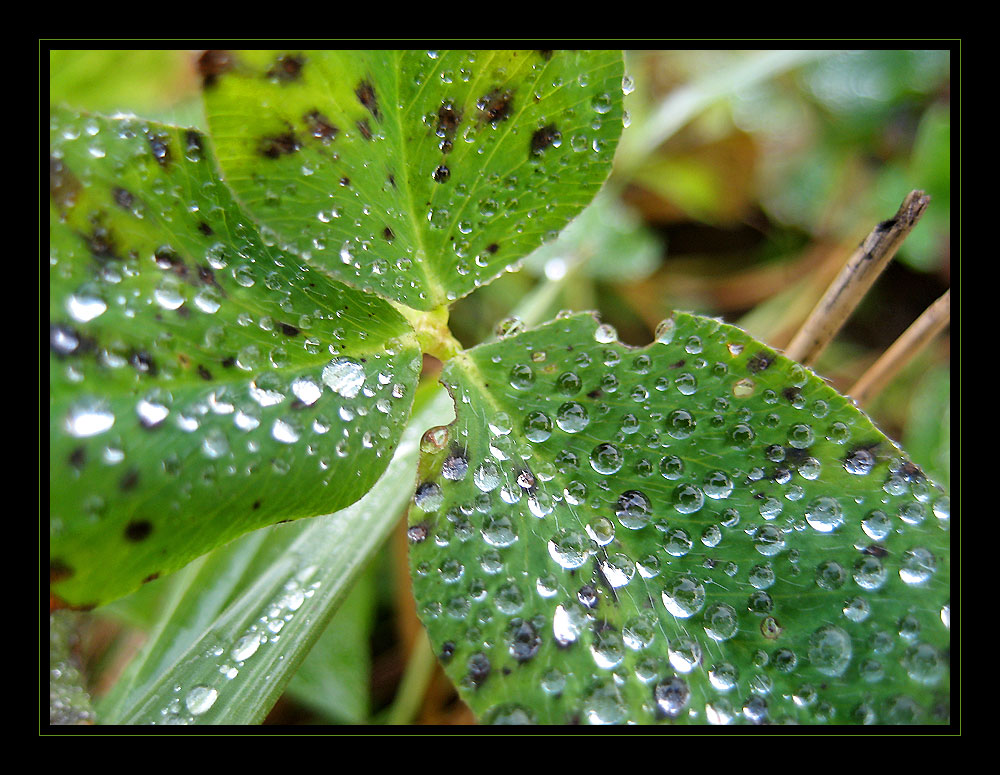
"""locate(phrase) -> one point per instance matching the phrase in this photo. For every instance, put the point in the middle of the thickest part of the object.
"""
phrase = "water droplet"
(572, 417)
(684, 596)
(344, 376)
(720, 622)
(830, 650)
(633, 509)
(606, 458)
(200, 700)
(824, 514)
(89, 417)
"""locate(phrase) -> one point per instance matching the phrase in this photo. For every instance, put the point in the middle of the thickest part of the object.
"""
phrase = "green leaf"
(335, 678)
(242, 624)
(202, 382)
(418, 175)
(694, 531)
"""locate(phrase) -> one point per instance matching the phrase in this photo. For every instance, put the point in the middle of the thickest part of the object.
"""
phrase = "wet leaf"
(202, 382)
(695, 531)
(419, 175)
(241, 624)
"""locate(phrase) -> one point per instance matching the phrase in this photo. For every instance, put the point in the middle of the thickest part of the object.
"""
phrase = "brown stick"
(915, 338)
(855, 279)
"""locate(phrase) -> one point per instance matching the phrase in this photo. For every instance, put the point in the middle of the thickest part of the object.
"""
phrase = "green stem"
(419, 669)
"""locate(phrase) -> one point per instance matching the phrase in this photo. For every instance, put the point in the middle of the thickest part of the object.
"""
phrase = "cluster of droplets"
(587, 523)
(187, 703)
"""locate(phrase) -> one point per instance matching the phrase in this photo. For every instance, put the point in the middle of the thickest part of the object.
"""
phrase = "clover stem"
(413, 687)
(855, 279)
(922, 331)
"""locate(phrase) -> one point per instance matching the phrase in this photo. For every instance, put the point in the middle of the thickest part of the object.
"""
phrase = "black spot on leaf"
(276, 146)
(63, 184)
(545, 53)
(366, 96)
(59, 571)
(320, 126)
(151, 577)
(204, 373)
(129, 481)
(213, 63)
(123, 198)
(160, 147)
(448, 121)
(760, 361)
(288, 330)
(543, 138)
(205, 229)
(138, 530)
(78, 457)
(143, 362)
(442, 173)
(287, 67)
(388, 234)
(364, 129)
(495, 106)
(479, 669)
(492, 247)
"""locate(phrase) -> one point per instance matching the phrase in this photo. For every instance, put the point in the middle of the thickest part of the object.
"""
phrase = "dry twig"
(855, 279)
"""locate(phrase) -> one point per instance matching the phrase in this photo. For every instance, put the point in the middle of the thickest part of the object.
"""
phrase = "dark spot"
(138, 530)
(256, 505)
(345, 181)
(448, 121)
(63, 184)
(392, 180)
(442, 173)
(479, 669)
(151, 577)
(288, 330)
(275, 146)
(447, 651)
(790, 393)
(167, 260)
(213, 63)
(492, 247)
(494, 106)
(366, 131)
(545, 53)
(506, 670)
(760, 361)
(193, 144)
(388, 234)
(595, 393)
(140, 360)
(417, 533)
(911, 472)
(677, 365)
(886, 225)
(543, 138)
(204, 373)
(59, 571)
(101, 243)
(875, 550)
(287, 68)
(366, 96)
(129, 481)
(77, 457)
(587, 595)
(205, 229)
(160, 146)
(123, 198)
(320, 126)
(228, 363)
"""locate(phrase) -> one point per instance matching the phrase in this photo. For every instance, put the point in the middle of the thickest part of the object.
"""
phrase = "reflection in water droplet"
(344, 376)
